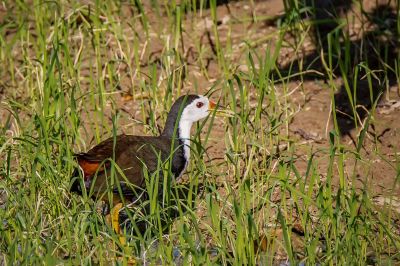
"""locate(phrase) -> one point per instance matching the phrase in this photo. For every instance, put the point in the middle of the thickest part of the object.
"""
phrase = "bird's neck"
(184, 127)
(184, 136)
(183, 130)
(182, 133)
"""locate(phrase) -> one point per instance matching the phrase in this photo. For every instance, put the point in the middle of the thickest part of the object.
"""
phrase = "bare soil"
(310, 97)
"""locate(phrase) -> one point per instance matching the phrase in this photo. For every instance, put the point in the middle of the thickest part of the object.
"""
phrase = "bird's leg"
(112, 219)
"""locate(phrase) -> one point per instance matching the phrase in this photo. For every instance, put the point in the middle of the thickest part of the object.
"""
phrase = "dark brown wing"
(91, 161)
(131, 153)
(104, 150)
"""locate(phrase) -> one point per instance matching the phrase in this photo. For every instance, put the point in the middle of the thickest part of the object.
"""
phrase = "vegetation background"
(306, 171)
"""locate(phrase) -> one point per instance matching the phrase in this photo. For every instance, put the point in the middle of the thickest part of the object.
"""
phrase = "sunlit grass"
(75, 74)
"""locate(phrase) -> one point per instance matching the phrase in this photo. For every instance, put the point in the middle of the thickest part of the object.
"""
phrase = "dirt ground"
(309, 97)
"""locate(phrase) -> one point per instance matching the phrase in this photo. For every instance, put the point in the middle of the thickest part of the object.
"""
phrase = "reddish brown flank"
(89, 168)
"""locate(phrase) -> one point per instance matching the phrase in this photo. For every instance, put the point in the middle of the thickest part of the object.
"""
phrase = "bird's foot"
(112, 219)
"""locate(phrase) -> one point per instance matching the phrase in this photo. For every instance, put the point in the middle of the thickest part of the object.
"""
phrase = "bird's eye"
(199, 104)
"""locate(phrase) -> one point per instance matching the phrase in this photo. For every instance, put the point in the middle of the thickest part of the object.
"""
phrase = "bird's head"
(197, 107)
(192, 108)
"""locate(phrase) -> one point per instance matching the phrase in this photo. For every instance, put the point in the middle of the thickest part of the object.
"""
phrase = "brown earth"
(310, 98)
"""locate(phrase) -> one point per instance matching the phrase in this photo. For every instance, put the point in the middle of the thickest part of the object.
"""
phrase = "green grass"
(75, 74)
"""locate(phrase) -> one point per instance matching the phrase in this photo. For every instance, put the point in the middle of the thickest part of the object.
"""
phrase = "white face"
(197, 110)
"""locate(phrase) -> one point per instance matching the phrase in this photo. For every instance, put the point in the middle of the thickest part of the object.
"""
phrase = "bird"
(138, 157)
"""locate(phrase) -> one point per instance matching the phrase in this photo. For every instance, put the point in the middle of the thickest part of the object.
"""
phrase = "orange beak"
(213, 107)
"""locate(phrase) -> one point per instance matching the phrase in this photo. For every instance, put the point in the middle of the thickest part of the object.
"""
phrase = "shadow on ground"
(366, 63)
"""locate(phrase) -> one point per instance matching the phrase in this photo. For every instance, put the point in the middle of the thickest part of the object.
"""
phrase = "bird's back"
(134, 156)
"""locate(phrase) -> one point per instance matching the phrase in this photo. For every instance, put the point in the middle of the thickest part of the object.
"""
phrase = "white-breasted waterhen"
(136, 155)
